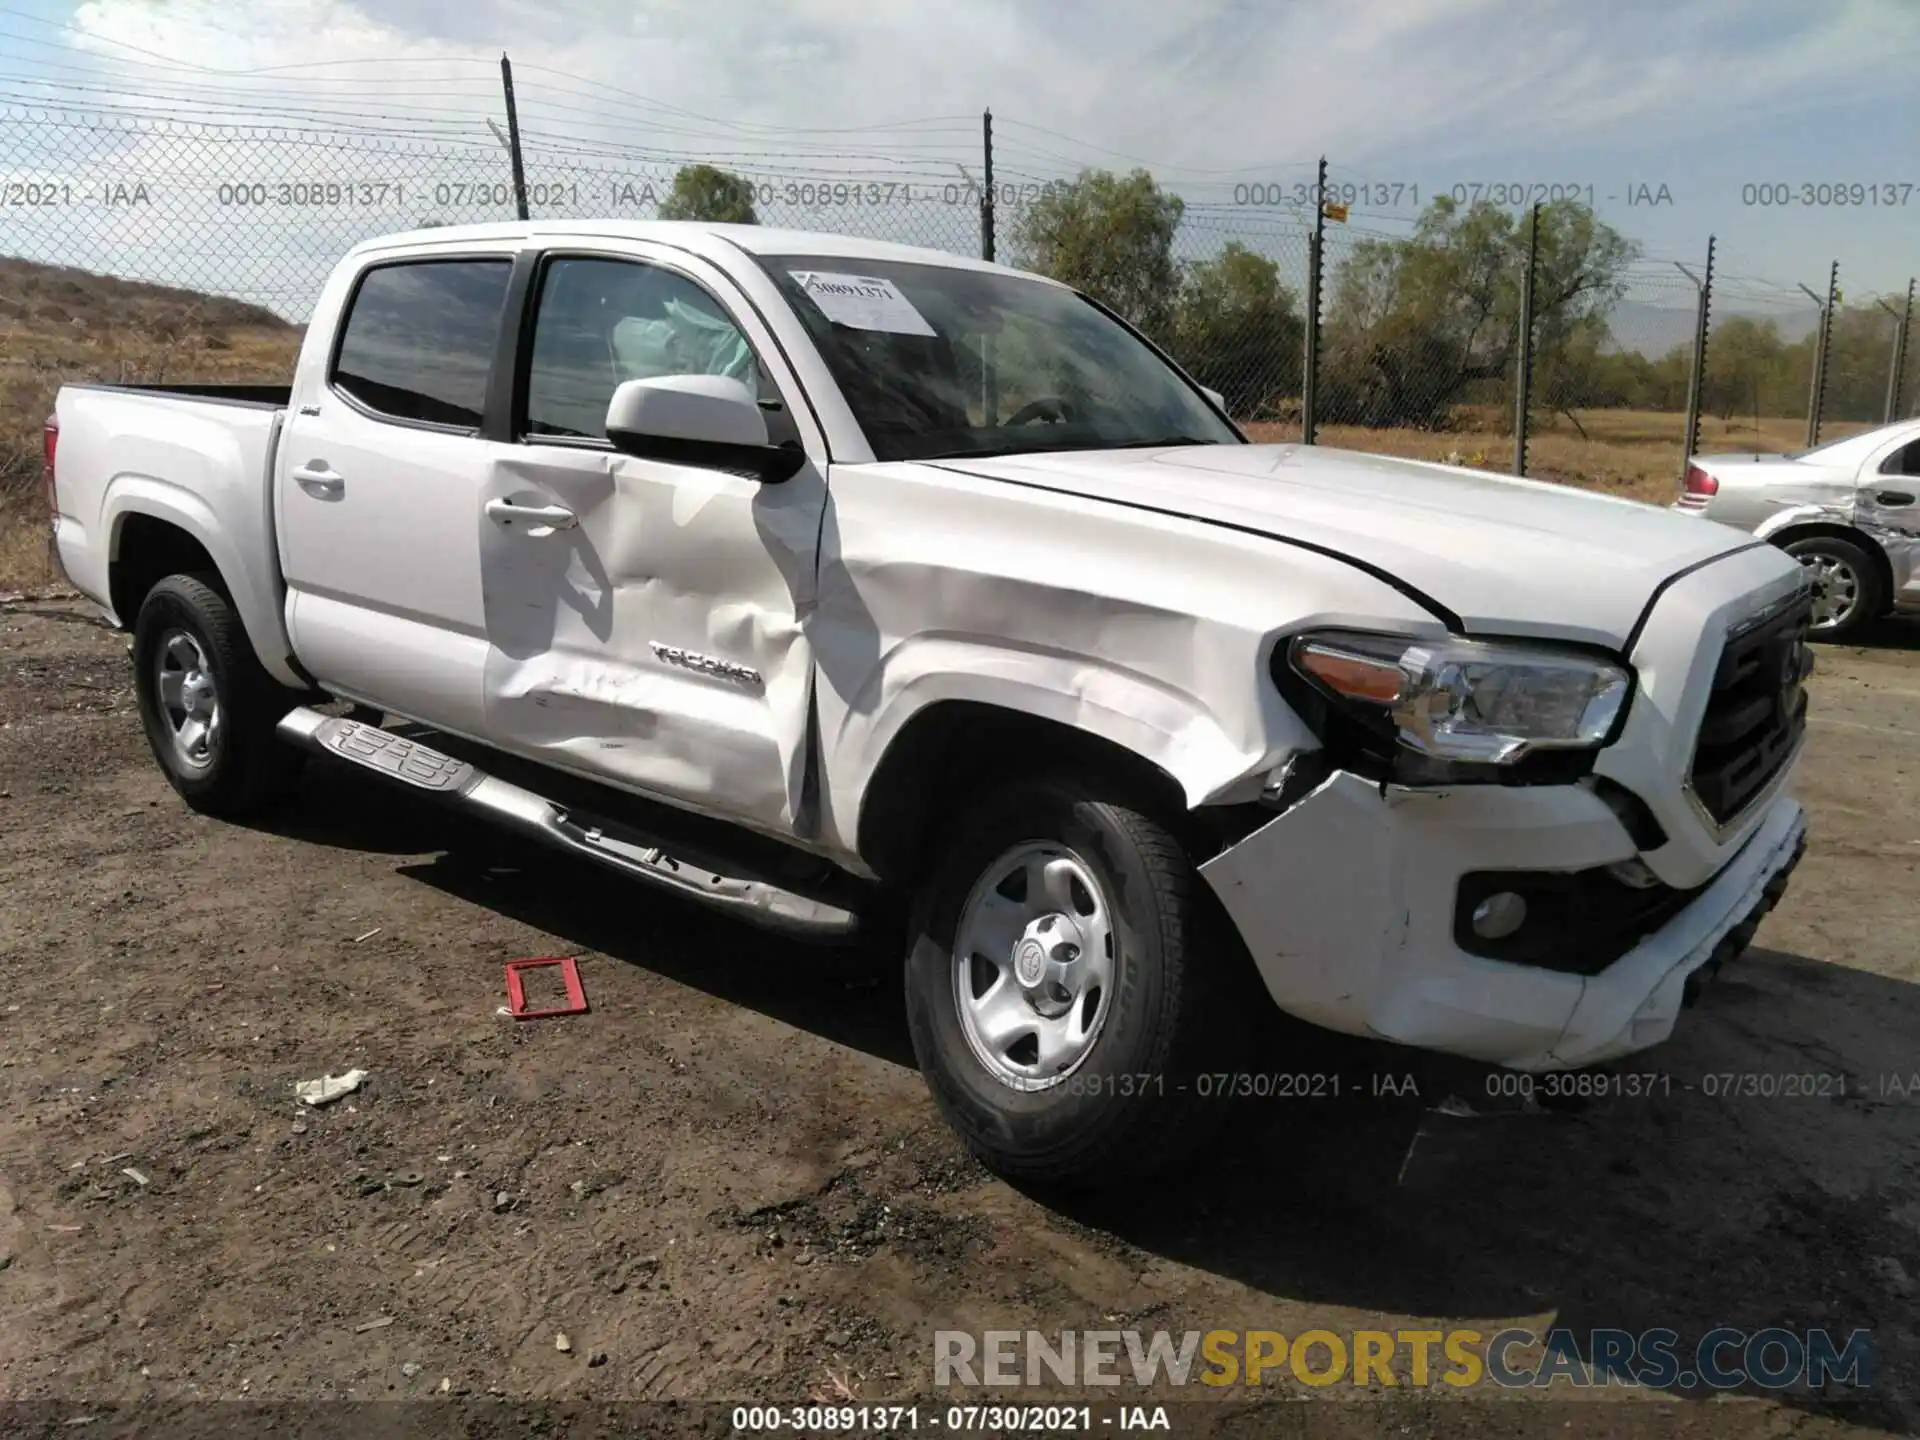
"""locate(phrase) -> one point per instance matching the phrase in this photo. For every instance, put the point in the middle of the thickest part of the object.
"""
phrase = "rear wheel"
(1062, 988)
(1848, 595)
(207, 705)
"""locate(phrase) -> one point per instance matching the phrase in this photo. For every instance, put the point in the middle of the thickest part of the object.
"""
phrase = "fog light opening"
(1498, 916)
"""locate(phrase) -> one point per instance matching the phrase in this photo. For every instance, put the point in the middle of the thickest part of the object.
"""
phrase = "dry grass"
(58, 325)
(1634, 453)
(26, 555)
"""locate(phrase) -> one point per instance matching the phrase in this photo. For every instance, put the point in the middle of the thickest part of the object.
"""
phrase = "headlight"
(1466, 700)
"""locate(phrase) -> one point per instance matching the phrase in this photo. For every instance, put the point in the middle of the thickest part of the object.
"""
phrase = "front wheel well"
(954, 750)
(1849, 533)
(146, 551)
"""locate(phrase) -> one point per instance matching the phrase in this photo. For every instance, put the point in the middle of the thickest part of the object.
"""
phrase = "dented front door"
(643, 618)
(1887, 507)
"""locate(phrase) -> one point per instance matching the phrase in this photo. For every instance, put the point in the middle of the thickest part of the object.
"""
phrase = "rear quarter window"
(1904, 461)
(419, 339)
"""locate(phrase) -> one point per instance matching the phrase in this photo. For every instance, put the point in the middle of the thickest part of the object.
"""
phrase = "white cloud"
(1210, 93)
(1214, 85)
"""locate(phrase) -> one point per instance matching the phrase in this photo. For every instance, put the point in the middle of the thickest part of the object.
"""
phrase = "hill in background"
(59, 324)
(56, 296)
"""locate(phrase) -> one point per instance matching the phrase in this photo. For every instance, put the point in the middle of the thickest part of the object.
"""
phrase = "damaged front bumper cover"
(1346, 903)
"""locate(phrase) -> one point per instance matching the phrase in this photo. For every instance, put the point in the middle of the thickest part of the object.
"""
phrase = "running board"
(618, 846)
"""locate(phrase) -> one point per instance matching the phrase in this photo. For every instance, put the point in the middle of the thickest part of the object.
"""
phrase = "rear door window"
(420, 337)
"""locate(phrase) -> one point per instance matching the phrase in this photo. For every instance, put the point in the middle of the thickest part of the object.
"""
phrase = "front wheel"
(1063, 988)
(1847, 593)
(207, 705)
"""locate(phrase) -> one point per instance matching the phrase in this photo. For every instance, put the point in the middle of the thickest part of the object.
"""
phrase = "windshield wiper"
(1161, 442)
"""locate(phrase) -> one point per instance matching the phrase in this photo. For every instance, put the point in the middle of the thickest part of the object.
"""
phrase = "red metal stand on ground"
(517, 996)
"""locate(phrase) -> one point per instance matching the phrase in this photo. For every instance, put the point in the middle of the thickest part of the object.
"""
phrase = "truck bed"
(197, 458)
(264, 397)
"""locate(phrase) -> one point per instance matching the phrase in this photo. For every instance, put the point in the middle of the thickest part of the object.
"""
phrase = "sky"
(1676, 119)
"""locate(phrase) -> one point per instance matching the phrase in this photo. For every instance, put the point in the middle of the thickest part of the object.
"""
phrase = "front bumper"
(1346, 903)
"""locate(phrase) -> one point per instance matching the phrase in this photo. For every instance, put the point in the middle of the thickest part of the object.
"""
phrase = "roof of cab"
(711, 241)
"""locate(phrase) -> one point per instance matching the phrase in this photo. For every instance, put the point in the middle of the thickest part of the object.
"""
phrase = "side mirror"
(1219, 400)
(710, 420)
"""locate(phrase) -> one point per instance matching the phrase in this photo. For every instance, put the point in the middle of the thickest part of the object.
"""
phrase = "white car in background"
(1849, 510)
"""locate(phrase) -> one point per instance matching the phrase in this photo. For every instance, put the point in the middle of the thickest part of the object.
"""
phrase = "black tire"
(246, 766)
(1130, 1108)
(1861, 570)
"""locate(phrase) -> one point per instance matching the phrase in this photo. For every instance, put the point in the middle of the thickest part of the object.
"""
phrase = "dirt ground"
(727, 1181)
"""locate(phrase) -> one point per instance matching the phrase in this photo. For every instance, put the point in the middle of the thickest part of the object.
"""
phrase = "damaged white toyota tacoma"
(799, 575)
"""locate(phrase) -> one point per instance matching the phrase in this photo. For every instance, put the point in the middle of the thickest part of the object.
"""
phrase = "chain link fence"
(1423, 326)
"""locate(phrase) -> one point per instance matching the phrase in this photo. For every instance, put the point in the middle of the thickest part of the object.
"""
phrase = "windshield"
(939, 362)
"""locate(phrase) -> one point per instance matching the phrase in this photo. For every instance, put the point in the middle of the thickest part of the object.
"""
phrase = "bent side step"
(618, 846)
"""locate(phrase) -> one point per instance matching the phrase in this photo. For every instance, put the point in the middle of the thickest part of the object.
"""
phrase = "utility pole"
(1697, 376)
(513, 140)
(1310, 382)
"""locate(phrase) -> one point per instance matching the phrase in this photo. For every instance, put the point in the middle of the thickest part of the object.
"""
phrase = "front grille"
(1756, 711)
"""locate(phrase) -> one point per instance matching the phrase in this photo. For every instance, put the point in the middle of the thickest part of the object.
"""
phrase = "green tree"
(1237, 329)
(1417, 325)
(1860, 354)
(706, 192)
(1111, 237)
(1744, 360)
(1749, 369)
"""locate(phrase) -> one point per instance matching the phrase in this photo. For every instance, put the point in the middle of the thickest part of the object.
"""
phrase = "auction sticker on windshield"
(865, 302)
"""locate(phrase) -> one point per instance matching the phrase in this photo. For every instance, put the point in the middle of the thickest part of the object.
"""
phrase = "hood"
(1507, 556)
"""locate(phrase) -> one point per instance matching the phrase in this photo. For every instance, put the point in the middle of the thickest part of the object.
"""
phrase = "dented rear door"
(652, 636)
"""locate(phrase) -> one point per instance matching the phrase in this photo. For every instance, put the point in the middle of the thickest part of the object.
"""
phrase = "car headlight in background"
(1474, 701)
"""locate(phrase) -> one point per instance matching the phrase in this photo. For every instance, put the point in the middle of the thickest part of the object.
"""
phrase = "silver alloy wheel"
(189, 699)
(1033, 960)
(1836, 590)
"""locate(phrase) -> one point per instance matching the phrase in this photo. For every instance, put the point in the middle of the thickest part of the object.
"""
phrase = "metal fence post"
(1310, 377)
(1523, 378)
(1697, 376)
(513, 140)
(986, 195)
(1813, 380)
(1895, 371)
(1817, 395)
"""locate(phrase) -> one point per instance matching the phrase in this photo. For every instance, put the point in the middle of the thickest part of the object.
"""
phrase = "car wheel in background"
(1847, 589)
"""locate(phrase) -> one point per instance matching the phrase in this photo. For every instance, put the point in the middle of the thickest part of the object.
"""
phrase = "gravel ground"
(727, 1179)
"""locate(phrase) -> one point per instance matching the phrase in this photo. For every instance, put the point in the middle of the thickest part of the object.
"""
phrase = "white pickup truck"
(797, 574)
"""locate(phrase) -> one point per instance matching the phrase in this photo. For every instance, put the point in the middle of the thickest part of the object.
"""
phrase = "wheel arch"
(145, 550)
(967, 744)
(154, 531)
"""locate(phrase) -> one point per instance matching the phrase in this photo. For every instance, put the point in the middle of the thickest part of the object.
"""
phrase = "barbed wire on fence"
(1419, 325)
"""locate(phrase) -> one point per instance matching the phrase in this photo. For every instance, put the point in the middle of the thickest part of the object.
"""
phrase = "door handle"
(1893, 499)
(317, 478)
(536, 518)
